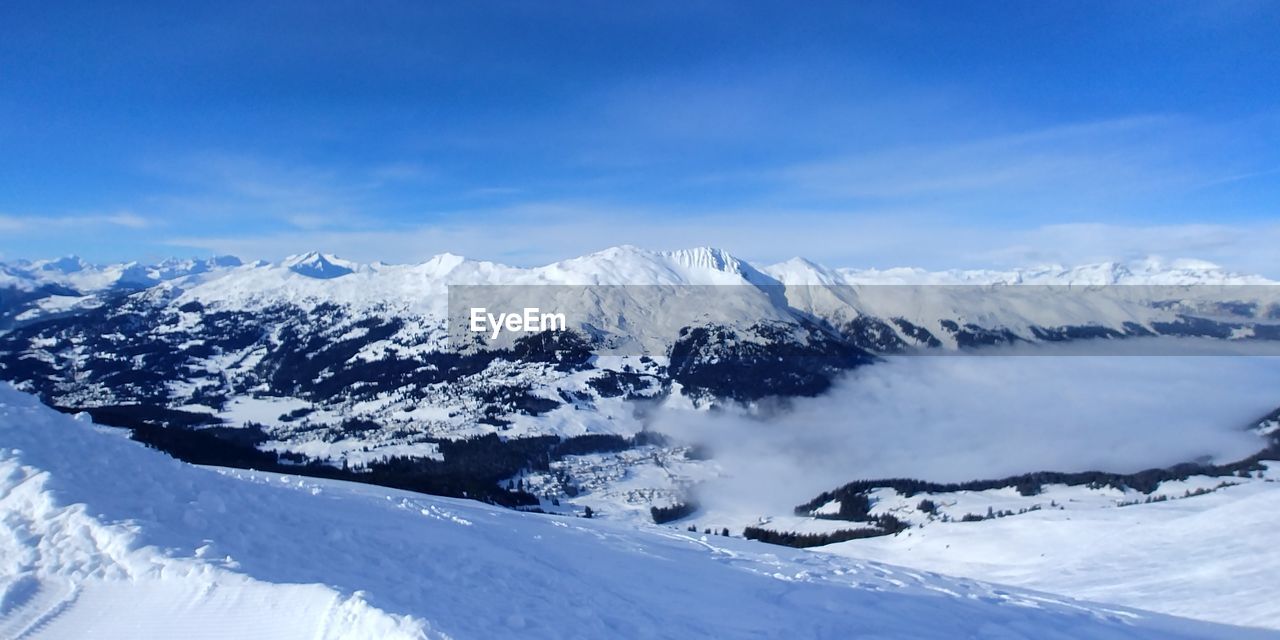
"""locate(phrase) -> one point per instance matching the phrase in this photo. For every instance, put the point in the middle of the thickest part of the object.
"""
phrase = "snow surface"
(1210, 556)
(100, 537)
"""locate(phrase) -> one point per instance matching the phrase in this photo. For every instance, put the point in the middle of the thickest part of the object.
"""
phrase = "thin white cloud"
(36, 224)
(251, 190)
(122, 219)
(12, 224)
(1100, 159)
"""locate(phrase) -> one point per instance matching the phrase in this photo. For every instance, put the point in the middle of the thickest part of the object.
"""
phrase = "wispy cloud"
(40, 223)
(220, 187)
(1036, 171)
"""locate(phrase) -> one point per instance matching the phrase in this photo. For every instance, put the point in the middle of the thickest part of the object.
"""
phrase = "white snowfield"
(1212, 557)
(101, 538)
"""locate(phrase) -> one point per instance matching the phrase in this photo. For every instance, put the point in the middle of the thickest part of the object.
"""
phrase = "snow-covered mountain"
(639, 301)
(338, 368)
(322, 266)
(80, 277)
(377, 284)
(341, 371)
(1148, 271)
(44, 288)
(101, 536)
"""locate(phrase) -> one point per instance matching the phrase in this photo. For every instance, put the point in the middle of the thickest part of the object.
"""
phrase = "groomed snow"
(100, 537)
(1212, 557)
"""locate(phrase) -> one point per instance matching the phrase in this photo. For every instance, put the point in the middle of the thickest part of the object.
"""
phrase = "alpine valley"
(341, 372)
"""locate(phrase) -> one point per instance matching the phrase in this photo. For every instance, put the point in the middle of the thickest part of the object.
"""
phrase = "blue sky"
(941, 134)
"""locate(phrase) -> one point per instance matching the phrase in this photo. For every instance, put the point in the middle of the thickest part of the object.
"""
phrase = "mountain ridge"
(626, 261)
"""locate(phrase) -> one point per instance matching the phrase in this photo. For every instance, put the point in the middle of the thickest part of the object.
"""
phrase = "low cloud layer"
(955, 418)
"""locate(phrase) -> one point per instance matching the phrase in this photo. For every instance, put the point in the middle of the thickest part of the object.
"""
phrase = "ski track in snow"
(100, 537)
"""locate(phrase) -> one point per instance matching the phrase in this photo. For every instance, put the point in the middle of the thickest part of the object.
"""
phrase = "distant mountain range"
(618, 265)
(849, 300)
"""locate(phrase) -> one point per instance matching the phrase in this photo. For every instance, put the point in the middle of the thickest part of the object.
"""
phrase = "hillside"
(103, 538)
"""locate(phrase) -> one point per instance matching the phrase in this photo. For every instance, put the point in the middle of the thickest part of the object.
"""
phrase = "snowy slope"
(1211, 556)
(102, 538)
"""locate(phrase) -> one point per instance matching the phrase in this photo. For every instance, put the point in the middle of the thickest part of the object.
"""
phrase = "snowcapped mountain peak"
(706, 258)
(323, 266)
(1151, 270)
(720, 261)
(1191, 263)
(630, 265)
(224, 261)
(802, 271)
(1147, 271)
(65, 264)
(309, 257)
(1190, 271)
(443, 263)
(177, 267)
(698, 258)
(76, 276)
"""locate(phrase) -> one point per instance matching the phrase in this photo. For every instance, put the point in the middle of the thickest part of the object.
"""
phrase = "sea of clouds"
(962, 417)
